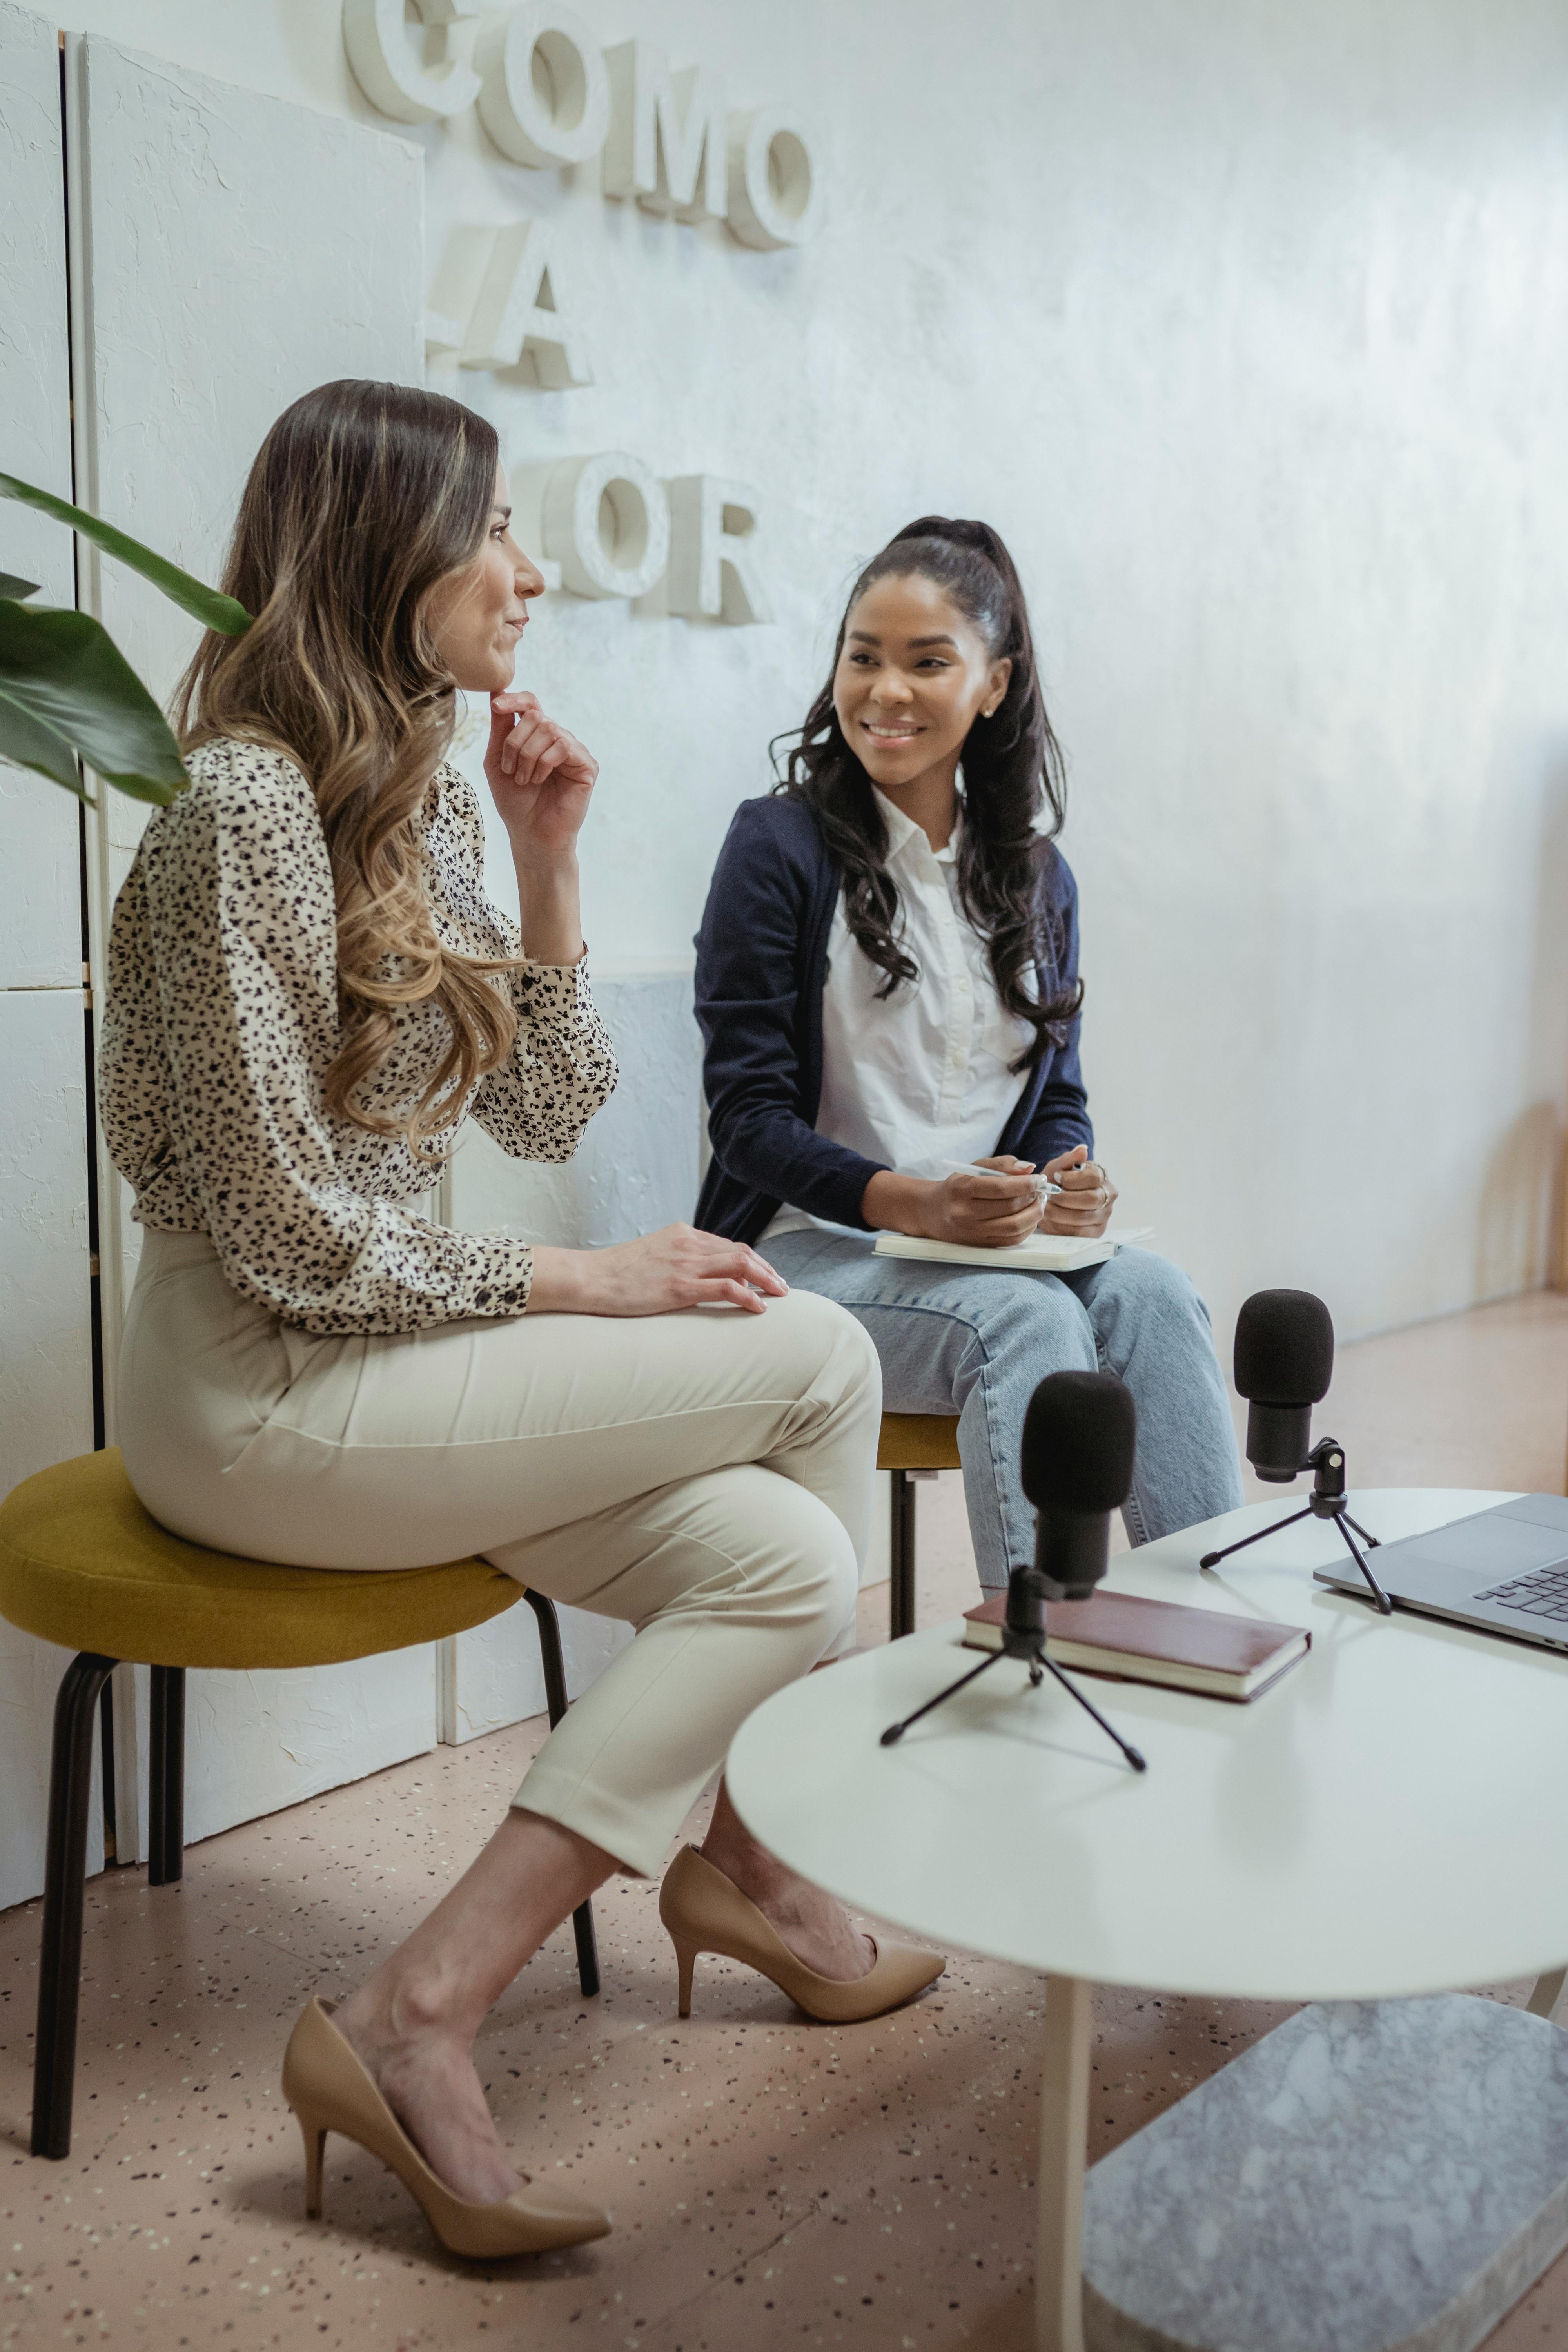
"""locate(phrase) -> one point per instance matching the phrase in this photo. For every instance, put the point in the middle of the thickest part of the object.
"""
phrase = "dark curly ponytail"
(1013, 770)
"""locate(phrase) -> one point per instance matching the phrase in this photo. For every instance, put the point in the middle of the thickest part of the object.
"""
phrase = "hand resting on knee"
(655, 1274)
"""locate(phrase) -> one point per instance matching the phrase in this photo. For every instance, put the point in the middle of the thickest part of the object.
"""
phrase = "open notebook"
(1041, 1254)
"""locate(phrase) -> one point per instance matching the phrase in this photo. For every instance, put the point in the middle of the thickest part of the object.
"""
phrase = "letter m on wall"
(667, 141)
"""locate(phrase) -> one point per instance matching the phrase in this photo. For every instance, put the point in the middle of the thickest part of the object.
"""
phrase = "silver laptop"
(1505, 1570)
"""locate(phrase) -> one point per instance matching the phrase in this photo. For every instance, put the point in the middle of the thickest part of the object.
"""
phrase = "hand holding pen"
(1070, 1194)
(1082, 1196)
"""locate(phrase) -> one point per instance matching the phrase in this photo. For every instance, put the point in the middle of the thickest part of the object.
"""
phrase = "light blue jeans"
(960, 1339)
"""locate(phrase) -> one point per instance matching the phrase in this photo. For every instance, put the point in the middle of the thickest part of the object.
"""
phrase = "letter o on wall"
(774, 191)
(545, 90)
(606, 523)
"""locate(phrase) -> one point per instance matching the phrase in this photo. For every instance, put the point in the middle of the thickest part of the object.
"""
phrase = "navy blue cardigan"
(761, 964)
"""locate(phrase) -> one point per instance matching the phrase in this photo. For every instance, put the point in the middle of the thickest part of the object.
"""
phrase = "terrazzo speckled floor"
(773, 2183)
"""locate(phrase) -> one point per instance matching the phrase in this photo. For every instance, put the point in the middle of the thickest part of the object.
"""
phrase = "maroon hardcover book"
(1156, 1642)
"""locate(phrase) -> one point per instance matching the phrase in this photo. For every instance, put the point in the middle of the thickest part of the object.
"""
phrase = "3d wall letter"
(543, 88)
(606, 523)
(712, 551)
(774, 191)
(389, 72)
(563, 117)
(522, 315)
(668, 135)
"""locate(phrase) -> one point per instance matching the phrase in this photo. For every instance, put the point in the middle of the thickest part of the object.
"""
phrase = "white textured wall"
(1248, 326)
(637, 1166)
(46, 1403)
(40, 915)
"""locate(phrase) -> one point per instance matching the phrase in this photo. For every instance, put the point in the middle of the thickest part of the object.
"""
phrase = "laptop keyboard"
(1542, 1594)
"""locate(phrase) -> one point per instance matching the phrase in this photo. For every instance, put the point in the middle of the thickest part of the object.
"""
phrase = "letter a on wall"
(521, 316)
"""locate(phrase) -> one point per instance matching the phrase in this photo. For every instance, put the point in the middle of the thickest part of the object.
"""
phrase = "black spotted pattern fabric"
(222, 1018)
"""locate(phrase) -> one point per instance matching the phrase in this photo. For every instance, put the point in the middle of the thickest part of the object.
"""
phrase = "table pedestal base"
(1371, 2175)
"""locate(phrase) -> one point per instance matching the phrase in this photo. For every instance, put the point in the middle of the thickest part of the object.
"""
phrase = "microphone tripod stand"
(1024, 1636)
(1327, 1501)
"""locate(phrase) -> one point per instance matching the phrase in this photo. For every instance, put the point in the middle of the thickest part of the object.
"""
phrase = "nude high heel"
(706, 1912)
(330, 2090)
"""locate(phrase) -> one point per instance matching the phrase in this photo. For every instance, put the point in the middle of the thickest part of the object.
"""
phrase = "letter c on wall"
(562, 115)
(606, 523)
(387, 69)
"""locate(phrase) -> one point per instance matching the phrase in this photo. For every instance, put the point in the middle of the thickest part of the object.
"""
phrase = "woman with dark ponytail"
(886, 980)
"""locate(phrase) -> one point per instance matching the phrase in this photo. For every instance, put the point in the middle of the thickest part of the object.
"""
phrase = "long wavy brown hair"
(363, 497)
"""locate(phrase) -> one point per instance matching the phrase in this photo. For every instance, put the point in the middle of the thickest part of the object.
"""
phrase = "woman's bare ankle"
(812, 1924)
(425, 2071)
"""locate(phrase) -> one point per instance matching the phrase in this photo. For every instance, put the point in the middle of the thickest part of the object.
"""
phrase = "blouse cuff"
(503, 1275)
(552, 987)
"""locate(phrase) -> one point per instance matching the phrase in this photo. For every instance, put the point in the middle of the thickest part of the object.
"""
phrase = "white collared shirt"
(919, 1076)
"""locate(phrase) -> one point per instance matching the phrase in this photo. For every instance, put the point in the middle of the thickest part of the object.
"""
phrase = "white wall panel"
(491, 1676)
(231, 252)
(45, 1399)
(29, 1676)
(40, 896)
(46, 1403)
(257, 1741)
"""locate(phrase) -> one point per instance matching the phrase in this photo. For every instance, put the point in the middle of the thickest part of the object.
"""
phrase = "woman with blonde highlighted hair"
(309, 993)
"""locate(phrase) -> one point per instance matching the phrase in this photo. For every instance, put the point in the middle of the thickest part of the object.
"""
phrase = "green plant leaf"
(11, 586)
(66, 686)
(29, 743)
(203, 604)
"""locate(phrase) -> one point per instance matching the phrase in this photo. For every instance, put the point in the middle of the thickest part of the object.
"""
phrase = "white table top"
(1386, 1820)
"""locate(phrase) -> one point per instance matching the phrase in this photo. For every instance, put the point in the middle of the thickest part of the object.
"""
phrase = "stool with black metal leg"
(912, 1445)
(556, 1701)
(84, 1566)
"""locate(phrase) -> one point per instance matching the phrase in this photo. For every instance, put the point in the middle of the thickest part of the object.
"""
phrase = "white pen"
(1045, 1189)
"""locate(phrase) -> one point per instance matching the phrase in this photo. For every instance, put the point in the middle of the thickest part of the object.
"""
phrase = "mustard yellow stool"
(82, 1565)
(912, 1445)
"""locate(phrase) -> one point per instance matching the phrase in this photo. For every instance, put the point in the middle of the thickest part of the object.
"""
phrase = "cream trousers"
(705, 1475)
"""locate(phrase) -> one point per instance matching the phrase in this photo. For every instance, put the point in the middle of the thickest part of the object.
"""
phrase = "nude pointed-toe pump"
(330, 2090)
(706, 1912)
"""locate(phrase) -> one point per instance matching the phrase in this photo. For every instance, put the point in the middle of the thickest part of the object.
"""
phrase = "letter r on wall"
(713, 566)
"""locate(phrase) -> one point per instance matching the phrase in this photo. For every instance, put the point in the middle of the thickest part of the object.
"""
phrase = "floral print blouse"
(222, 1018)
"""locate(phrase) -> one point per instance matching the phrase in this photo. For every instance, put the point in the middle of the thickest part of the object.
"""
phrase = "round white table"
(1384, 1821)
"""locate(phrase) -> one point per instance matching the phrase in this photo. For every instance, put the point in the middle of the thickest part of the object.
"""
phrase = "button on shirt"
(922, 1075)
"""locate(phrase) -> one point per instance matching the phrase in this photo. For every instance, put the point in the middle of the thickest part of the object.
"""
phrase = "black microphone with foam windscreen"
(1283, 1362)
(1081, 1433)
